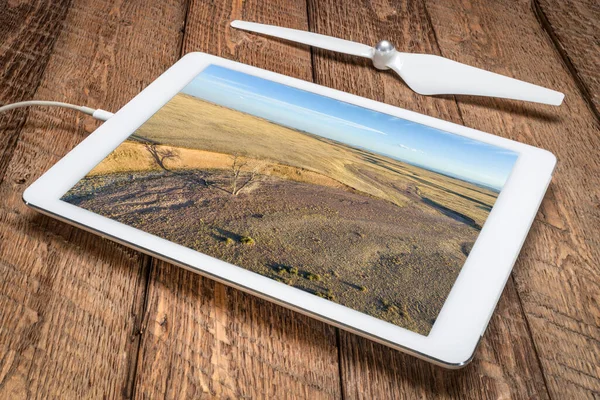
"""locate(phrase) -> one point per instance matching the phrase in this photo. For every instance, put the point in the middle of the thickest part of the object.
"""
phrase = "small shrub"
(228, 241)
(313, 277)
(362, 288)
(283, 280)
(247, 240)
(293, 270)
(328, 295)
(387, 306)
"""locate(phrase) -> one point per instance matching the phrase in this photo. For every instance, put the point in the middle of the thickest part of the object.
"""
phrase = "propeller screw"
(384, 51)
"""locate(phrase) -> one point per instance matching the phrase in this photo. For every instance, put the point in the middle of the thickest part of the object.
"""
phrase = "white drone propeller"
(424, 73)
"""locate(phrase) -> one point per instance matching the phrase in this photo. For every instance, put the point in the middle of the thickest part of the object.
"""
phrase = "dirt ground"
(395, 263)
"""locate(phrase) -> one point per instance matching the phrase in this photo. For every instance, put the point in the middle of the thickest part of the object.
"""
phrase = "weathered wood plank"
(556, 276)
(28, 31)
(70, 302)
(506, 364)
(573, 26)
(203, 339)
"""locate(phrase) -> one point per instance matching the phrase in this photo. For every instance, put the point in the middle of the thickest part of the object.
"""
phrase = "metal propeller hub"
(384, 46)
(383, 54)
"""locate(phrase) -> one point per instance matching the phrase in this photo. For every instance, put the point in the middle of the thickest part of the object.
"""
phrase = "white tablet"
(396, 226)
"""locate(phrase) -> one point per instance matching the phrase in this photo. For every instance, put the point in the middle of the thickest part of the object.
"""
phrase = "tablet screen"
(371, 211)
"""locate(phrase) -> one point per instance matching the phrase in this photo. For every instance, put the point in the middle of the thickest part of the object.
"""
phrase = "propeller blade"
(429, 74)
(309, 38)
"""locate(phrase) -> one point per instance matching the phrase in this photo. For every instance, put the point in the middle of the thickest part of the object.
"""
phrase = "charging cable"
(99, 114)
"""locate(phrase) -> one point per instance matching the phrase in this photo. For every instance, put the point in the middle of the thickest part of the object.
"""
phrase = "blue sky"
(377, 132)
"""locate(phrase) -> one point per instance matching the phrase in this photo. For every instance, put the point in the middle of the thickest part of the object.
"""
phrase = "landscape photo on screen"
(368, 210)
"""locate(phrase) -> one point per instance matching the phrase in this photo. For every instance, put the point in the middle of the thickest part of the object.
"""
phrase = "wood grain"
(573, 27)
(28, 31)
(505, 365)
(203, 339)
(70, 302)
(84, 317)
(556, 275)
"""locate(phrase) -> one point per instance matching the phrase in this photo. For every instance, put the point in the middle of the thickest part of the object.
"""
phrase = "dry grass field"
(361, 229)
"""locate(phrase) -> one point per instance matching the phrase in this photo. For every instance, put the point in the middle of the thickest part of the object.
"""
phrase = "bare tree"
(240, 175)
(238, 184)
(160, 155)
(236, 169)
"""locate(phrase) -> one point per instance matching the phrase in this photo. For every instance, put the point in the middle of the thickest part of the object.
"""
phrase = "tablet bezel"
(471, 302)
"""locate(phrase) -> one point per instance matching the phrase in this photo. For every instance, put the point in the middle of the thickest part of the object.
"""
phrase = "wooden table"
(84, 317)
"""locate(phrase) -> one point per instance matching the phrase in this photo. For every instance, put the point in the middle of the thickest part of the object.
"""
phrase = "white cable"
(99, 114)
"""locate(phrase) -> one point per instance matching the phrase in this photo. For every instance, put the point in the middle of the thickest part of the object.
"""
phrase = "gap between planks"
(21, 116)
(511, 279)
(547, 27)
(149, 262)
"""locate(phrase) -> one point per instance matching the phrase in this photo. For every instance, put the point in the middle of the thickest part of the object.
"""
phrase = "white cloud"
(411, 149)
(506, 152)
(223, 81)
